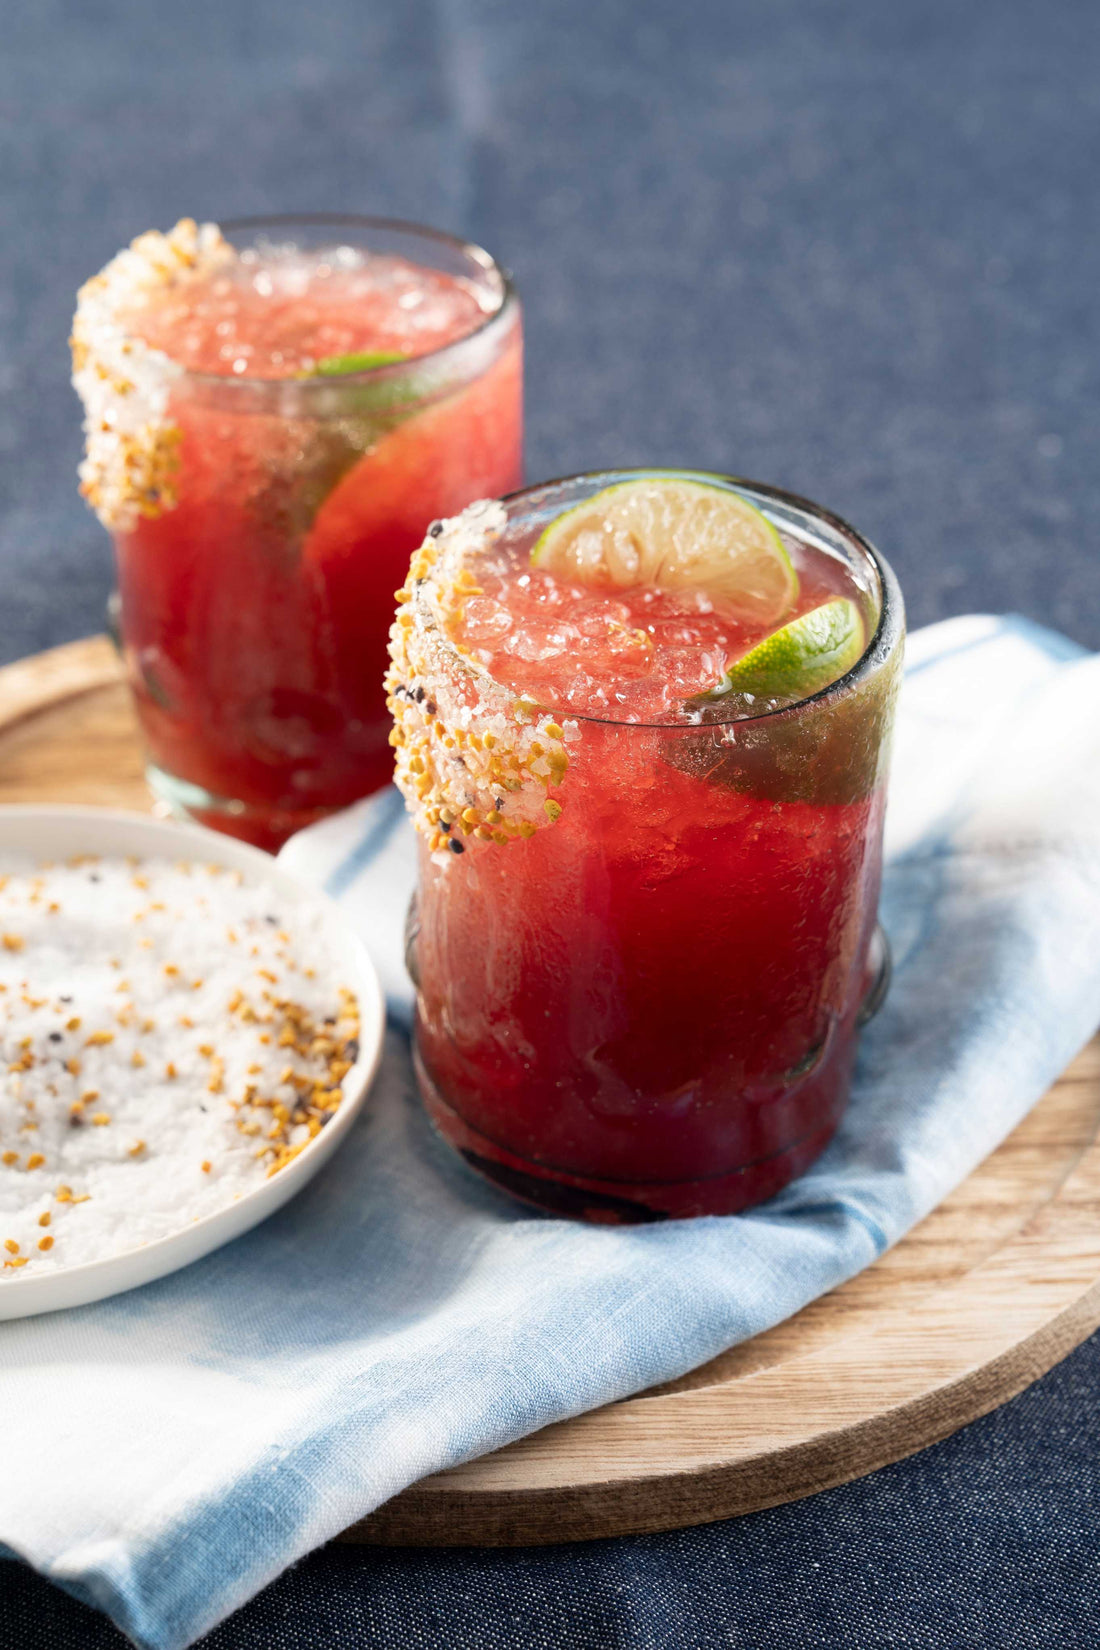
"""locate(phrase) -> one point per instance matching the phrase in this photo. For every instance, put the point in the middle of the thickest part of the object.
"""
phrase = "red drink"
(644, 944)
(325, 389)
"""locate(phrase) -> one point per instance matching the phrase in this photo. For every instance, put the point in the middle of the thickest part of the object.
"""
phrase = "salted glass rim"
(887, 632)
(254, 382)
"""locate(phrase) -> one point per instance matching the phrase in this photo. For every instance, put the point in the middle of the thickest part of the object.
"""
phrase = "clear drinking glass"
(651, 1008)
(254, 610)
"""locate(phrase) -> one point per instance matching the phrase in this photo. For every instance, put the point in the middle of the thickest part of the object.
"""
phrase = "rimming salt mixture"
(170, 1035)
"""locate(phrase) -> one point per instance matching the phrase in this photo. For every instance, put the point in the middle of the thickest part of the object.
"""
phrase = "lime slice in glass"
(673, 534)
(803, 657)
(334, 366)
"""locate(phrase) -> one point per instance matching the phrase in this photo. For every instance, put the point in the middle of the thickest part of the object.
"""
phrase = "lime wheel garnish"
(673, 534)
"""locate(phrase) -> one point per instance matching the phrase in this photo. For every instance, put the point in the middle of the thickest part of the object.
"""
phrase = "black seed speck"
(274, 921)
(55, 1036)
(432, 708)
(202, 1108)
(435, 529)
(419, 695)
(498, 803)
(64, 999)
(351, 1049)
(94, 876)
(75, 1120)
(455, 846)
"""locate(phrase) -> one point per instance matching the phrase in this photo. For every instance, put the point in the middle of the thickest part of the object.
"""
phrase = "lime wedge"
(332, 366)
(803, 657)
(674, 534)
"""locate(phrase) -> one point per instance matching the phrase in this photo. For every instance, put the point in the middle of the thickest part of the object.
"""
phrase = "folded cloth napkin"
(168, 1452)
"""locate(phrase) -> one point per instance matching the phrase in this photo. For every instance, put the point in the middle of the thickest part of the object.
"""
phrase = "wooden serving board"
(1001, 1281)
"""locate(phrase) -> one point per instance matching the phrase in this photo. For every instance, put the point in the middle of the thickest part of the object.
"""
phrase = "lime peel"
(333, 366)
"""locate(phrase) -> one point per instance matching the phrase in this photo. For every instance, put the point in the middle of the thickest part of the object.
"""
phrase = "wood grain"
(996, 1285)
(68, 731)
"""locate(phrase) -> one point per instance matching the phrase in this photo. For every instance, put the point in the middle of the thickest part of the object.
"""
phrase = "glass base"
(615, 1203)
(265, 827)
(610, 1202)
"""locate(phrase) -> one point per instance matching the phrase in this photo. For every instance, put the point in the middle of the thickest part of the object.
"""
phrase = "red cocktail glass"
(270, 508)
(639, 989)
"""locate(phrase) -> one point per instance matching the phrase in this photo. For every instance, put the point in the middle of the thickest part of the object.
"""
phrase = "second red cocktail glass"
(276, 410)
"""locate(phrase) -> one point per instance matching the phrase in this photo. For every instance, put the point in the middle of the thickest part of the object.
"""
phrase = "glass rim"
(509, 298)
(880, 644)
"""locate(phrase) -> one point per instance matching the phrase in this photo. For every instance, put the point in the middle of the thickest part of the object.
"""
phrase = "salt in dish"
(178, 1031)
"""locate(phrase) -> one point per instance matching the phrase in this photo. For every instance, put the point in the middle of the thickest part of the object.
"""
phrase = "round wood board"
(996, 1285)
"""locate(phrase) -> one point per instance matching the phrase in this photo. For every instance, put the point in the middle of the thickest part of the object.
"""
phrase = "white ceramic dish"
(57, 833)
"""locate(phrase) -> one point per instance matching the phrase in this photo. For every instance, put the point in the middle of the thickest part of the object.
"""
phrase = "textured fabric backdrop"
(847, 247)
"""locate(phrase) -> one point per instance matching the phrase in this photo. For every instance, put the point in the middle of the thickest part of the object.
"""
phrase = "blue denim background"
(847, 247)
